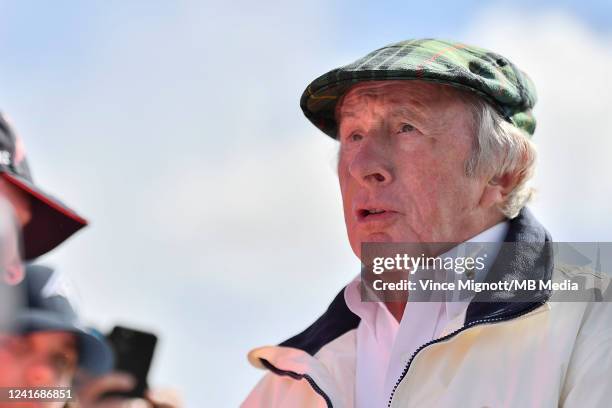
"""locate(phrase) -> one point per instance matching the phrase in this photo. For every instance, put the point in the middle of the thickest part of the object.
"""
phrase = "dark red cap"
(52, 222)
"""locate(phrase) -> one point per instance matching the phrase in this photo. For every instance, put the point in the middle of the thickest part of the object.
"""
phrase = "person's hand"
(89, 394)
(163, 398)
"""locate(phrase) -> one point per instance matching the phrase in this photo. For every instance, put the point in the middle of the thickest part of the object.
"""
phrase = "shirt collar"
(494, 238)
(366, 310)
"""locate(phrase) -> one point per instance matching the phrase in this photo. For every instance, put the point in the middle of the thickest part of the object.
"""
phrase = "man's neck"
(396, 308)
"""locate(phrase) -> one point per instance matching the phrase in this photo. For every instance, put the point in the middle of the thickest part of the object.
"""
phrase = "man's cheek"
(342, 181)
(347, 193)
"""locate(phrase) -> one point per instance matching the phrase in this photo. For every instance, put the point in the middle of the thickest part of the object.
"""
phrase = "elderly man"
(435, 148)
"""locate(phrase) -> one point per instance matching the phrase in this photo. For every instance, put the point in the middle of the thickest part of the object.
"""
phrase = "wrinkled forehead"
(424, 98)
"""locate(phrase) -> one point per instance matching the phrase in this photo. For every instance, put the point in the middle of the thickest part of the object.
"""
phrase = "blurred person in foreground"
(46, 345)
(43, 221)
(435, 147)
(32, 222)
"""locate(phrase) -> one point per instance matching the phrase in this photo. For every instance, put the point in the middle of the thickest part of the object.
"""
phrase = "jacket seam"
(298, 376)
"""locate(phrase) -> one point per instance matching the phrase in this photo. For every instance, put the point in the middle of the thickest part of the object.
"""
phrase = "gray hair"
(499, 149)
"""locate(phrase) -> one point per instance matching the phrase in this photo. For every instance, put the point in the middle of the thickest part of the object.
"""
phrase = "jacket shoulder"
(336, 321)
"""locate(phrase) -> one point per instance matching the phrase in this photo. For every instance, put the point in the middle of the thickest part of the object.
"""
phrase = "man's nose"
(371, 165)
(40, 374)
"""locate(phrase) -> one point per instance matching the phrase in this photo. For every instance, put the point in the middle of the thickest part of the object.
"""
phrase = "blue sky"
(175, 128)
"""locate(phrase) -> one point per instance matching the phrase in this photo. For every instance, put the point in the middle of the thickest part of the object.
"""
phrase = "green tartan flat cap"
(490, 75)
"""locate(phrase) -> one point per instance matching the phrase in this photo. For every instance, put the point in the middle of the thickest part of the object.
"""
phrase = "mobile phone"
(133, 351)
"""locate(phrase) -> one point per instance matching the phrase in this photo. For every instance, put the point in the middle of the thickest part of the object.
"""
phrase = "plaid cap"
(490, 75)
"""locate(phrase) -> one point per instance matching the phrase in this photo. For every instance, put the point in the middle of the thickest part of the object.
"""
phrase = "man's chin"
(377, 237)
(369, 238)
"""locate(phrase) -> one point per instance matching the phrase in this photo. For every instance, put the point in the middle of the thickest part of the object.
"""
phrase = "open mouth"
(366, 213)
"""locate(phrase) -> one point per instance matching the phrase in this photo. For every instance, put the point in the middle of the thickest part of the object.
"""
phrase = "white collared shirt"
(384, 346)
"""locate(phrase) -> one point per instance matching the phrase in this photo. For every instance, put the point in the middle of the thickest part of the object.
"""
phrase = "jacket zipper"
(448, 336)
(297, 376)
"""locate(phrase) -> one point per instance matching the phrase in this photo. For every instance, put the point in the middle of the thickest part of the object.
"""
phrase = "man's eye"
(355, 137)
(406, 127)
(62, 363)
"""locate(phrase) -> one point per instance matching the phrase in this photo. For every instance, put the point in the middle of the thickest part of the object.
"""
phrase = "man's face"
(403, 148)
(39, 359)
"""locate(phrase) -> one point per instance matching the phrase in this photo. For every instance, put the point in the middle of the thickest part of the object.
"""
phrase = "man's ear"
(497, 189)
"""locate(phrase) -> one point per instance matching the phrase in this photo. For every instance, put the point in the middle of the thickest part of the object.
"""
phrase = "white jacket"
(535, 353)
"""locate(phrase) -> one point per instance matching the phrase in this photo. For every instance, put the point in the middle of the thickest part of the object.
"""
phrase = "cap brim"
(95, 354)
(52, 222)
